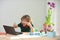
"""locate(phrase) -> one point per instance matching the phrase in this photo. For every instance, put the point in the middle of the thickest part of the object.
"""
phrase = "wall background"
(12, 10)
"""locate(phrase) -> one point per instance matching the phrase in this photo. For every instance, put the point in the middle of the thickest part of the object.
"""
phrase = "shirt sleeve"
(32, 25)
(19, 25)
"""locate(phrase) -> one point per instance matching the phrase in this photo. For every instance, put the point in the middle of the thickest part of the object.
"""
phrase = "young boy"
(25, 24)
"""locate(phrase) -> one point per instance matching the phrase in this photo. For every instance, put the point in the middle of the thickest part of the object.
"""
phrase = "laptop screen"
(9, 29)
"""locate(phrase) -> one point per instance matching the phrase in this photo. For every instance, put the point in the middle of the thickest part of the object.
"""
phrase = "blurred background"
(12, 10)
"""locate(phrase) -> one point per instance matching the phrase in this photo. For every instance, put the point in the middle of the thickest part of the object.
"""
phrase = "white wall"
(12, 10)
(57, 16)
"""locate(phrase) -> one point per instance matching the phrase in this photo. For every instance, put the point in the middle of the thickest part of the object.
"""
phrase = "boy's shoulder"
(20, 24)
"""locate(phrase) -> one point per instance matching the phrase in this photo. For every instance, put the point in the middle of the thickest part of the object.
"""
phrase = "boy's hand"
(14, 25)
(29, 24)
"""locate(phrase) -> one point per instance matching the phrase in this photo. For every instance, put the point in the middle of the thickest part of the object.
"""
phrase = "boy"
(25, 24)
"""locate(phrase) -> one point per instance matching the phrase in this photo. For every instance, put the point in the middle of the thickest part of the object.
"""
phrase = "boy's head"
(25, 19)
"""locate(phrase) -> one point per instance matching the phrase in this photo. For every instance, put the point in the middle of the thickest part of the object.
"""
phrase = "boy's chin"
(24, 25)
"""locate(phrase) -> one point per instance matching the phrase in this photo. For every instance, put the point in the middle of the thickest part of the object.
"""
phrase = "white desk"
(25, 36)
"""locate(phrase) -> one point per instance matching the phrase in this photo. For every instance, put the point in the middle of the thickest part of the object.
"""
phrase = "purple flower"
(53, 3)
(48, 2)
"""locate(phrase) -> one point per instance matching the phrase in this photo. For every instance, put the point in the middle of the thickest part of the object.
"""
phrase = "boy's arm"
(31, 27)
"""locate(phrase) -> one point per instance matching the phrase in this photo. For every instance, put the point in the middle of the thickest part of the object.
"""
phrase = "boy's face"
(24, 22)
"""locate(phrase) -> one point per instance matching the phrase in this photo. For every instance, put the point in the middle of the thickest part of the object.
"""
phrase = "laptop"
(11, 30)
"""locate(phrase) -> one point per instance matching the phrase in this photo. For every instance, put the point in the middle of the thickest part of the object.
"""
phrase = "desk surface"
(8, 37)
